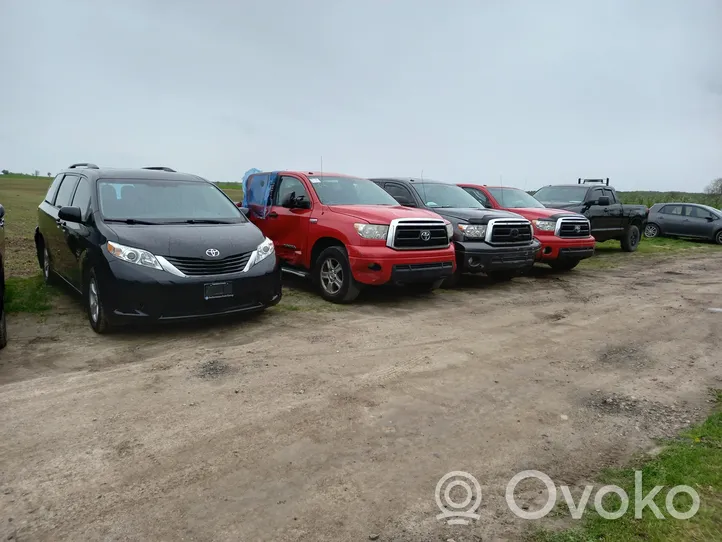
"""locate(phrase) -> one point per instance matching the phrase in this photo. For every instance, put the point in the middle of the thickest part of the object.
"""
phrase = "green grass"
(650, 198)
(694, 459)
(609, 255)
(28, 294)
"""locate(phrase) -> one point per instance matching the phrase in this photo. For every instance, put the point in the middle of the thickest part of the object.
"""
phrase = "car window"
(400, 193)
(287, 185)
(81, 198)
(610, 195)
(595, 194)
(50, 196)
(65, 193)
(478, 196)
(672, 210)
(697, 212)
(436, 195)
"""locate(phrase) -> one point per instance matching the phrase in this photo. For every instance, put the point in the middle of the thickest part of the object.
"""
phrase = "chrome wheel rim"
(93, 300)
(331, 276)
(650, 231)
(46, 263)
(719, 238)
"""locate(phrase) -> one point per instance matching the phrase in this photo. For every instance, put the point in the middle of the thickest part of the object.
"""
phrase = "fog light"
(547, 250)
(374, 267)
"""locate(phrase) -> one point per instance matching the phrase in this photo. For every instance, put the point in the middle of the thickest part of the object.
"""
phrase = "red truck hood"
(532, 213)
(380, 214)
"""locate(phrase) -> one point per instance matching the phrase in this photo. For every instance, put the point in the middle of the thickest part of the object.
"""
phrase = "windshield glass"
(163, 201)
(446, 196)
(562, 194)
(349, 191)
(513, 198)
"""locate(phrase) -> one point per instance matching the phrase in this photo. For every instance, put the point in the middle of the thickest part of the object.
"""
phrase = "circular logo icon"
(454, 511)
(514, 233)
(425, 235)
(577, 229)
(212, 252)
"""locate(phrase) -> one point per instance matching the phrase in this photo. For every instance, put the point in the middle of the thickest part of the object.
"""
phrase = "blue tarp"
(257, 189)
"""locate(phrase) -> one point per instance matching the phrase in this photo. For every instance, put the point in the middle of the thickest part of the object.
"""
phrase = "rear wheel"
(563, 265)
(630, 241)
(3, 329)
(94, 305)
(48, 273)
(332, 274)
(651, 231)
(718, 237)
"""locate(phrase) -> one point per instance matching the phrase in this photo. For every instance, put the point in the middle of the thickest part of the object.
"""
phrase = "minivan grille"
(510, 232)
(573, 227)
(420, 235)
(201, 266)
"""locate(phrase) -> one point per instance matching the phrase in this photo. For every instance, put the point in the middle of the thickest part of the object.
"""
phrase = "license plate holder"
(217, 290)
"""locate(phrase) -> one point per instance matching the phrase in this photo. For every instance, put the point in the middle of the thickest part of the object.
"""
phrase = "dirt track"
(335, 425)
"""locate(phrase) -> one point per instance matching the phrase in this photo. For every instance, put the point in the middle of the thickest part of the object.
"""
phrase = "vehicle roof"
(685, 203)
(133, 173)
(309, 173)
(414, 180)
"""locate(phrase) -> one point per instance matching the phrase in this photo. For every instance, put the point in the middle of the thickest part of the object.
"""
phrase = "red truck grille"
(573, 227)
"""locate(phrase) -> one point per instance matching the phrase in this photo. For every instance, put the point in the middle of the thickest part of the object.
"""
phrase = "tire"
(651, 231)
(630, 241)
(47, 267)
(563, 265)
(718, 237)
(94, 307)
(425, 287)
(502, 276)
(3, 330)
(332, 275)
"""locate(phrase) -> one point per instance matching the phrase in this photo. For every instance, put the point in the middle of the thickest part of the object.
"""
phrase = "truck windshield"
(561, 194)
(165, 201)
(349, 191)
(513, 198)
(446, 196)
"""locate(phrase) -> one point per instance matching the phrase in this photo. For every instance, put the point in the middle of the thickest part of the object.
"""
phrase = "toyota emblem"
(212, 252)
(514, 233)
(577, 229)
(425, 235)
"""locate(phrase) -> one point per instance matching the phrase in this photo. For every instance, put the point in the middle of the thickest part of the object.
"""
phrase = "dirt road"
(334, 425)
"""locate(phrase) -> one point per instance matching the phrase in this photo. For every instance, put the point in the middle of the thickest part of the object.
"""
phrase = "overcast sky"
(534, 92)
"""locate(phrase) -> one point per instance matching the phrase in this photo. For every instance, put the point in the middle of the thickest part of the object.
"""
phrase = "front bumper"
(558, 248)
(380, 265)
(134, 293)
(481, 257)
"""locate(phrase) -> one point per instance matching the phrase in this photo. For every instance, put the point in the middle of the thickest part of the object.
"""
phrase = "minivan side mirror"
(70, 214)
(603, 201)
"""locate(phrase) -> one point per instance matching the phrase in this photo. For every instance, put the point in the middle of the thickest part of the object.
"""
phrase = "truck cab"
(599, 202)
(499, 244)
(565, 236)
(345, 232)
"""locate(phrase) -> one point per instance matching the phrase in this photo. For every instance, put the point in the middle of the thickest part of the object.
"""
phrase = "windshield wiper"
(201, 221)
(131, 221)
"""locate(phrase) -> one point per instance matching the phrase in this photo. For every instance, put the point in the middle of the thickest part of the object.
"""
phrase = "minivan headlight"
(263, 251)
(372, 231)
(137, 256)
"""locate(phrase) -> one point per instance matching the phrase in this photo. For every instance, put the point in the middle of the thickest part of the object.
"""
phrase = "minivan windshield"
(561, 194)
(158, 201)
(446, 196)
(349, 191)
(513, 198)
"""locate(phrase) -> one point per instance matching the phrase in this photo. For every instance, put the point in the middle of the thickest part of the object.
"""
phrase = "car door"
(400, 193)
(613, 212)
(77, 234)
(55, 237)
(596, 214)
(698, 222)
(671, 218)
(288, 228)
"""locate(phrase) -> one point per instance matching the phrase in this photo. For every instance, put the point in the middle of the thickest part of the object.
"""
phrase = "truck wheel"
(630, 241)
(332, 273)
(563, 265)
(651, 231)
(94, 305)
(502, 276)
(425, 287)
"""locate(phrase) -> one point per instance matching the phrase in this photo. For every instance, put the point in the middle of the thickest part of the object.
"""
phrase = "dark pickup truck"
(498, 243)
(598, 201)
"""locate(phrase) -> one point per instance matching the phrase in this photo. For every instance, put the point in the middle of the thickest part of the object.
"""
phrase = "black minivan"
(152, 244)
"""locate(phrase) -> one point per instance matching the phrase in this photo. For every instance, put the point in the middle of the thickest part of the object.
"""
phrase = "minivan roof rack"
(161, 168)
(592, 181)
(83, 164)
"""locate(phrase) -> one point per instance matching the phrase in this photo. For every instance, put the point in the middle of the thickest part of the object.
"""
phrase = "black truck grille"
(573, 227)
(420, 235)
(221, 266)
(510, 232)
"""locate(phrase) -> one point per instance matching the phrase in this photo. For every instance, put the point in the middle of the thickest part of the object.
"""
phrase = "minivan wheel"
(651, 231)
(94, 305)
(3, 329)
(48, 273)
(332, 274)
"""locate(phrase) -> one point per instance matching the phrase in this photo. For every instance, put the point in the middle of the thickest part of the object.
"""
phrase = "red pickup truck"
(345, 232)
(565, 236)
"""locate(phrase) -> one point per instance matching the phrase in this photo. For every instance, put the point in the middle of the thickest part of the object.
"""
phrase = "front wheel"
(630, 241)
(332, 274)
(651, 231)
(718, 237)
(563, 265)
(94, 305)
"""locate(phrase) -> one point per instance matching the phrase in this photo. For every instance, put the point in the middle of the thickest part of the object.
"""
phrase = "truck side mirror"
(603, 201)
